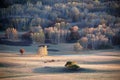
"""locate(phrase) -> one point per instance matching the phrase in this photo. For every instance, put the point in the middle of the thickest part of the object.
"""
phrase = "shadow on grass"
(104, 62)
(8, 64)
(53, 50)
(58, 70)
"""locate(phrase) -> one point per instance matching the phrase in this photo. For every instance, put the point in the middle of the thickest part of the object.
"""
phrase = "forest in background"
(91, 24)
(22, 14)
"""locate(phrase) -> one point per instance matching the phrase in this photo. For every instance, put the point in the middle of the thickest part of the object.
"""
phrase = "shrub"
(22, 51)
(72, 65)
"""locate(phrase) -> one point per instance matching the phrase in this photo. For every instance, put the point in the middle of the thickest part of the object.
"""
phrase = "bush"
(72, 65)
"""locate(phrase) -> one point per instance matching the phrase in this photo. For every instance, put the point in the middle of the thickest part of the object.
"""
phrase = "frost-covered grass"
(94, 65)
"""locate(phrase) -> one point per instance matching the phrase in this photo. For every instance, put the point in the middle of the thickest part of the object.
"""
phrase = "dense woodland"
(92, 23)
(23, 14)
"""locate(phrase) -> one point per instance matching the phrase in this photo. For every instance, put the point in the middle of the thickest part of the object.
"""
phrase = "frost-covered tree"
(11, 33)
(84, 42)
(37, 34)
(75, 13)
(77, 46)
(39, 4)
